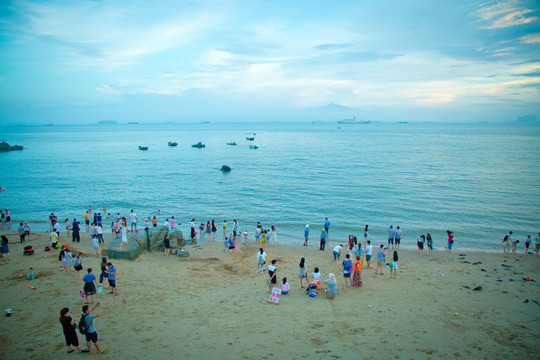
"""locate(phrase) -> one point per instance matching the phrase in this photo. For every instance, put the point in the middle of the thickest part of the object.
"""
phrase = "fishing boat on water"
(253, 147)
(231, 143)
(250, 138)
(143, 148)
(199, 145)
(173, 143)
(353, 121)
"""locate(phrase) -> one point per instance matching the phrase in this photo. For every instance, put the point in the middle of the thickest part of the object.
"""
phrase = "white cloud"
(502, 14)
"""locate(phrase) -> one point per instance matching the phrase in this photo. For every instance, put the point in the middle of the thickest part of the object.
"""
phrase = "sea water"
(478, 180)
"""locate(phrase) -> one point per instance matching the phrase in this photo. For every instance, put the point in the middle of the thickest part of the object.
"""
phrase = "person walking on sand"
(302, 272)
(420, 242)
(68, 325)
(111, 271)
(272, 275)
(507, 240)
(393, 265)
(359, 251)
(397, 234)
(450, 240)
(326, 226)
(78, 264)
(232, 240)
(89, 285)
(75, 228)
(133, 219)
(369, 253)
(357, 272)
(306, 235)
(95, 246)
(322, 242)
(22, 236)
(391, 236)
(381, 253)
(261, 259)
(91, 333)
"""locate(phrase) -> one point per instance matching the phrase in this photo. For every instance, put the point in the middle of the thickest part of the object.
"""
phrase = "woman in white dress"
(274, 236)
(123, 231)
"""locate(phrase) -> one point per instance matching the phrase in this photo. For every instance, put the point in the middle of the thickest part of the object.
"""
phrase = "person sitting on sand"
(312, 288)
(89, 285)
(261, 259)
(316, 274)
(284, 286)
(332, 283)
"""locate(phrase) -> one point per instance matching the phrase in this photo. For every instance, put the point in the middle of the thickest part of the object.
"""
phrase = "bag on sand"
(83, 293)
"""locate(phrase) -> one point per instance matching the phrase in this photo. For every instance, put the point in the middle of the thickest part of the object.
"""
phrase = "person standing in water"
(306, 235)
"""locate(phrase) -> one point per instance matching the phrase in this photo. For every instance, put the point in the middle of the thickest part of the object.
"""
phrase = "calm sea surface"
(479, 180)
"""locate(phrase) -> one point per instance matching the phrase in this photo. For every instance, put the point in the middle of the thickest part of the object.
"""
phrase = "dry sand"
(210, 306)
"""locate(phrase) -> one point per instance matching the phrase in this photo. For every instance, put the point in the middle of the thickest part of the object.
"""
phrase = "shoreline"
(209, 305)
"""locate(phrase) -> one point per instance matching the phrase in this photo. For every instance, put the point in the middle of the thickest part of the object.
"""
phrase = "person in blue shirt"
(326, 225)
(323, 240)
(381, 253)
(347, 265)
(91, 333)
(111, 271)
(306, 235)
(391, 236)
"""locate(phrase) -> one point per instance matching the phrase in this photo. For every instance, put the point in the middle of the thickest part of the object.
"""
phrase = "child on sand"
(393, 265)
(261, 259)
(347, 266)
(284, 286)
(527, 243)
(506, 240)
(272, 275)
(302, 272)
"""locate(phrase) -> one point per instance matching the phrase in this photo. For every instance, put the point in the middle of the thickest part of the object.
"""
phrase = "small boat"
(2, 189)
(199, 145)
(173, 143)
(143, 148)
(232, 143)
(250, 138)
(253, 147)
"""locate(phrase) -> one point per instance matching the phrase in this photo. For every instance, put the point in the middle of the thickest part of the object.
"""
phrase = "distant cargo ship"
(353, 121)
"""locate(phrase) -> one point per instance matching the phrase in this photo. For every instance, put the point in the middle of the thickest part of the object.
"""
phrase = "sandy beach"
(211, 306)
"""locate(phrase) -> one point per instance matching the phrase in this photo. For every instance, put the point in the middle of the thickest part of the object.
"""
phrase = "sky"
(78, 61)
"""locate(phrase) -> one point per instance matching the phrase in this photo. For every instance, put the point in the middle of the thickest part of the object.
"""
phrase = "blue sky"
(86, 61)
